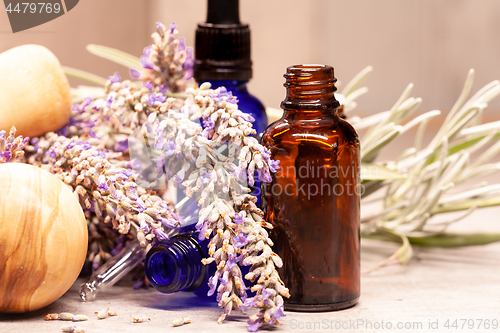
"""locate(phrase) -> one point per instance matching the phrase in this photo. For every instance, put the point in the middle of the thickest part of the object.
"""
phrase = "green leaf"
(481, 202)
(372, 171)
(442, 240)
(115, 55)
(454, 240)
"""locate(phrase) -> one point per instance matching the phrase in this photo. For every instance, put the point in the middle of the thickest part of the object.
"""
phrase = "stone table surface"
(436, 288)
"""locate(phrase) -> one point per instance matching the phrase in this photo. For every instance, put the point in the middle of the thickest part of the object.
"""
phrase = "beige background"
(430, 43)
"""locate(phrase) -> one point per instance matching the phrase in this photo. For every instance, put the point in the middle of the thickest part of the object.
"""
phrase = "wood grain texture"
(43, 238)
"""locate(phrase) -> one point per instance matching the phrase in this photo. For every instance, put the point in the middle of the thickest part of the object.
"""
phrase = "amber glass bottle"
(313, 199)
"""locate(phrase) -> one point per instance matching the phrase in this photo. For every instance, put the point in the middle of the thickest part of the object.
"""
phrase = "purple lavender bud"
(188, 75)
(266, 293)
(75, 108)
(127, 172)
(147, 51)
(163, 88)
(159, 164)
(148, 85)
(213, 283)
(92, 207)
(150, 99)
(240, 240)
(170, 148)
(225, 278)
(159, 141)
(160, 29)
(209, 124)
(277, 314)
(161, 98)
(63, 131)
(135, 164)
(240, 173)
(109, 101)
(168, 223)
(234, 100)
(135, 74)
(93, 135)
(173, 26)
(265, 153)
(250, 302)
(71, 144)
(114, 79)
(141, 205)
(247, 117)
(205, 177)
(264, 176)
(238, 219)
(102, 185)
(121, 146)
(274, 165)
(182, 45)
(146, 63)
(7, 156)
(251, 179)
(160, 234)
(85, 145)
(232, 261)
(33, 142)
(189, 62)
(253, 326)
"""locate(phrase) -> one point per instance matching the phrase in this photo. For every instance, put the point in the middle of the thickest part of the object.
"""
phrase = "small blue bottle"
(175, 264)
(222, 53)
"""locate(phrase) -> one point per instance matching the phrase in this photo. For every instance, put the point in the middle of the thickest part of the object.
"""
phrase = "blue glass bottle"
(222, 53)
(174, 264)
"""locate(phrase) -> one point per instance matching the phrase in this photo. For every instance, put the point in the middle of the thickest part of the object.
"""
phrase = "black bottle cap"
(222, 48)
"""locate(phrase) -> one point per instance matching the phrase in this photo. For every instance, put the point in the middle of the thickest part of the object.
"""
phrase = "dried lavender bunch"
(11, 147)
(109, 191)
(168, 61)
(236, 222)
(177, 150)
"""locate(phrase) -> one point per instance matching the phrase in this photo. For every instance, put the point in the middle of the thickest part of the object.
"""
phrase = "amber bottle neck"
(310, 88)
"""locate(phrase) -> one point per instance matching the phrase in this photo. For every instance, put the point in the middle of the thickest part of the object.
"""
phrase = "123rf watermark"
(456, 324)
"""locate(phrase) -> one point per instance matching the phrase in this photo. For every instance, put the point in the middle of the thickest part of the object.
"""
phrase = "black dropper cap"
(222, 49)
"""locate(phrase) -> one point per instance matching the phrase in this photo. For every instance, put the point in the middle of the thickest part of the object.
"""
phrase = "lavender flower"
(167, 61)
(11, 147)
(110, 191)
(114, 79)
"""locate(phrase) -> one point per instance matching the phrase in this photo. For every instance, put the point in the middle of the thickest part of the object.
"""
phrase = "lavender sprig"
(167, 62)
(109, 191)
(11, 147)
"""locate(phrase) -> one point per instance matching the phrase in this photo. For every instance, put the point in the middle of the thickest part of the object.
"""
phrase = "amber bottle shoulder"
(327, 128)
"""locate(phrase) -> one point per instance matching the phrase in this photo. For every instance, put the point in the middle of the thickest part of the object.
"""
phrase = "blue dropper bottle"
(222, 53)
(174, 264)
